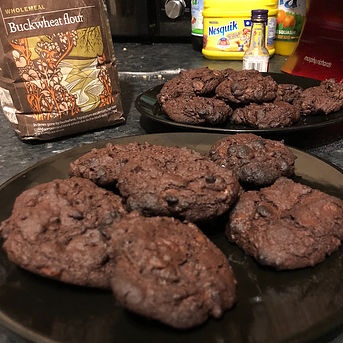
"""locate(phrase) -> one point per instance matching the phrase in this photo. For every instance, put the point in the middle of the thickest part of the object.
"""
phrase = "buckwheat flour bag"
(57, 67)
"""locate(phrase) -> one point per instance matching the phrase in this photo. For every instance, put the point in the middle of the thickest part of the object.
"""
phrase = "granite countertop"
(140, 66)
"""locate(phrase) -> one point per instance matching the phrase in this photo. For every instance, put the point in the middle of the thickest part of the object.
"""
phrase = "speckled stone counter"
(140, 66)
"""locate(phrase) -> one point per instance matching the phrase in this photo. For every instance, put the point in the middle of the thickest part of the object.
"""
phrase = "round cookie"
(287, 225)
(197, 110)
(198, 81)
(266, 115)
(204, 80)
(245, 86)
(178, 182)
(257, 161)
(59, 230)
(289, 92)
(170, 271)
(102, 165)
(323, 99)
(173, 88)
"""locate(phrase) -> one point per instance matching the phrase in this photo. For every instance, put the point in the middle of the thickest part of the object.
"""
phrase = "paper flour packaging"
(57, 68)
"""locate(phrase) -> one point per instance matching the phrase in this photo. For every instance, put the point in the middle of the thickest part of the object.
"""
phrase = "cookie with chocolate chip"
(246, 86)
(197, 110)
(323, 99)
(59, 230)
(170, 271)
(267, 115)
(103, 165)
(287, 225)
(289, 92)
(190, 83)
(178, 182)
(257, 161)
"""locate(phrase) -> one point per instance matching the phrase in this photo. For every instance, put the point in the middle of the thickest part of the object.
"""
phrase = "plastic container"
(197, 24)
(290, 22)
(227, 26)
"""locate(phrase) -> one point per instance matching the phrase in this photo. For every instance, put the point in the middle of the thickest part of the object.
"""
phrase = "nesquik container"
(227, 26)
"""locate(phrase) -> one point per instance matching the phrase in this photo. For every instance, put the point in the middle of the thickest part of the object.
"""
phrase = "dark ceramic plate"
(309, 128)
(291, 306)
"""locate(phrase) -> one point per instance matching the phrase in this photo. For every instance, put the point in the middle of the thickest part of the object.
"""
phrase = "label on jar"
(259, 63)
(290, 19)
(197, 18)
(231, 34)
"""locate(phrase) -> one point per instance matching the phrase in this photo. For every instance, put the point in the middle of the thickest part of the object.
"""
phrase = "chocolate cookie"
(174, 88)
(257, 161)
(59, 230)
(289, 93)
(170, 271)
(199, 81)
(197, 110)
(287, 225)
(204, 80)
(102, 165)
(323, 99)
(243, 87)
(266, 115)
(178, 182)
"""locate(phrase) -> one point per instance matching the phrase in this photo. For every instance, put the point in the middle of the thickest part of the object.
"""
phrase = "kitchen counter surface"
(140, 66)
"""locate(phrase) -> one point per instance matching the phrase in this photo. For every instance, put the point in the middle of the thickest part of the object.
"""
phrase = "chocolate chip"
(171, 200)
(210, 179)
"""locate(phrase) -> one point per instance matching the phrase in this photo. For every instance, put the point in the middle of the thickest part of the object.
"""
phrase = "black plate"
(307, 130)
(291, 306)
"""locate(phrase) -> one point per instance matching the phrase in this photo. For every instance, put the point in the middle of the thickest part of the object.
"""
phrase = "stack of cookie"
(129, 218)
(216, 98)
(124, 220)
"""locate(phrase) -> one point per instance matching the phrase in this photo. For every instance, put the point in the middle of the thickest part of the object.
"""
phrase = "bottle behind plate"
(197, 24)
(257, 56)
(290, 21)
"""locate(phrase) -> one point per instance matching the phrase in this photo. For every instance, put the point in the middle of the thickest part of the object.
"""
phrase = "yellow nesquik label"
(225, 34)
(230, 34)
